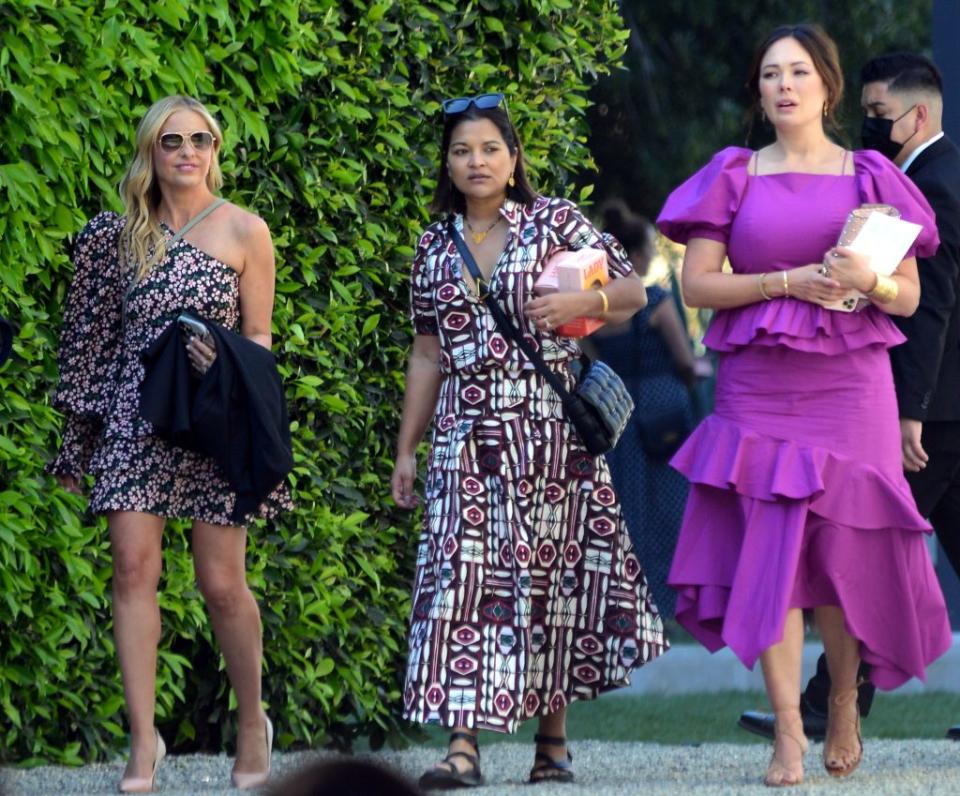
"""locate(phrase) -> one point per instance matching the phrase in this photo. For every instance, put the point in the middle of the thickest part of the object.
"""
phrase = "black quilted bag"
(599, 407)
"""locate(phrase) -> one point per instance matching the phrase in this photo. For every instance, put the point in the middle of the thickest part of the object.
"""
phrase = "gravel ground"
(603, 769)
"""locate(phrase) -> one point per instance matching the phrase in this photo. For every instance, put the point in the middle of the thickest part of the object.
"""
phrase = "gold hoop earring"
(511, 182)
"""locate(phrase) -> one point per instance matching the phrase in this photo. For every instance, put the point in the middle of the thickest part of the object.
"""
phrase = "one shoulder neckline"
(206, 254)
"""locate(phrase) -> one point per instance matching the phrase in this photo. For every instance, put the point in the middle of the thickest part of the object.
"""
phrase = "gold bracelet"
(885, 291)
(763, 292)
(605, 300)
(786, 286)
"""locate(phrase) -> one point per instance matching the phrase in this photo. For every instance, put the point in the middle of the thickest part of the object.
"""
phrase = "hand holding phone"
(194, 328)
(201, 347)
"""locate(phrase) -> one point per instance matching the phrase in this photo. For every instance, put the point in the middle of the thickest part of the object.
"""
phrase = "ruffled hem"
(801, 326)
(758, 466)
(735, 584)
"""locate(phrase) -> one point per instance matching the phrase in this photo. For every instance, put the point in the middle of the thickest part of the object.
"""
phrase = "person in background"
(527, 594)
(344, 776)
(177, 248)
(902, 99)
(652, 354)
(6, 339)
(798, 499)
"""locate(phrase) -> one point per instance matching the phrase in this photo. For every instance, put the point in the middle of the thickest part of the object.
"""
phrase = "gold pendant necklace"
(478, 237)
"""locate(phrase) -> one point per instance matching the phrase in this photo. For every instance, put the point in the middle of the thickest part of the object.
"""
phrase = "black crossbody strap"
(503, 323)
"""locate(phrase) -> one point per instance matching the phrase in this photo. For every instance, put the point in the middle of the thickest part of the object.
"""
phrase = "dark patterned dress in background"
(527, 594)
(653, 494)
(101, 374)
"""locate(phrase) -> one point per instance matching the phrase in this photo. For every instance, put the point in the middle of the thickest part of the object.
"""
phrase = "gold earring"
(511, 182)
(825, 109)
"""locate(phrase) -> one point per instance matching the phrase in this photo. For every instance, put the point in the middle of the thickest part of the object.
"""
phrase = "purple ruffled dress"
(798, 497)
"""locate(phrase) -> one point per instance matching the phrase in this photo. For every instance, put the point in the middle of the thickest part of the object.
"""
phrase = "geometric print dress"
(107, 325)
(527, 593)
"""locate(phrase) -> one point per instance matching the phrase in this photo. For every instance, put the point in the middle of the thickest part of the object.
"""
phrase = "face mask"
(875, 134)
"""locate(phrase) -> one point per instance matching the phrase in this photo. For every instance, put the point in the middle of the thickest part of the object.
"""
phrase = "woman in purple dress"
(798, 499)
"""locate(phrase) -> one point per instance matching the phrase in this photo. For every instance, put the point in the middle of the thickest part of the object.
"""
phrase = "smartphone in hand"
(191, 327)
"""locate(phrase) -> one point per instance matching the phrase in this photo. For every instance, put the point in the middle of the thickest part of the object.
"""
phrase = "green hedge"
(330, 111)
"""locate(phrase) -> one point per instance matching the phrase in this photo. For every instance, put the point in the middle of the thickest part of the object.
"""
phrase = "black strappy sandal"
(451, 777)
(545, 768)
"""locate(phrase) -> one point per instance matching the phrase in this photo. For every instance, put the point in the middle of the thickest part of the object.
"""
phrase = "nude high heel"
(142, 784)
(249, 781)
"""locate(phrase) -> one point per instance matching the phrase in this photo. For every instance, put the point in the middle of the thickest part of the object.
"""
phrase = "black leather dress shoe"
(759, 723)
(954, 733)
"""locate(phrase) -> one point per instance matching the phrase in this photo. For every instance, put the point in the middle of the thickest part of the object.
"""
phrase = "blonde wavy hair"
(142, 243)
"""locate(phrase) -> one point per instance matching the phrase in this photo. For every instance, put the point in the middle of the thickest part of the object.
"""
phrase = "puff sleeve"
(881, 182)
(704, 206)
(89, 343)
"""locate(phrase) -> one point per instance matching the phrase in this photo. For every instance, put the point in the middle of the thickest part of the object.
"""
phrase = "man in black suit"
(903, 105)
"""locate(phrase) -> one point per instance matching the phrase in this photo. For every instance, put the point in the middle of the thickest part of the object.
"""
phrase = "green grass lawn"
(712, 718)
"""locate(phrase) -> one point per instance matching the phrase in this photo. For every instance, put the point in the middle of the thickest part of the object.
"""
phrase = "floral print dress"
(107, 325)
(527, 594)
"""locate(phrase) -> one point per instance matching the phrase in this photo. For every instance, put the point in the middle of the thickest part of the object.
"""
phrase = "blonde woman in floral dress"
(132, 280)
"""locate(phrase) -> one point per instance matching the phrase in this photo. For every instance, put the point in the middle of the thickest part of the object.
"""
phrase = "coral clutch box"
(583, 269)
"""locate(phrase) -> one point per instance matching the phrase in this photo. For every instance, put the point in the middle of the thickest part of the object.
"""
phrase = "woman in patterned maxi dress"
(527, 595)
(131, 282)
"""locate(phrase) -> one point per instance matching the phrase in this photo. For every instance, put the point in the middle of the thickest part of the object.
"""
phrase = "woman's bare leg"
(842, 746)
(781, 673)
(219, 554)
(137, 563)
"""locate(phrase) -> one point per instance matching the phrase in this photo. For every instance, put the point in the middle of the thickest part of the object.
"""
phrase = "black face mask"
(875, 134)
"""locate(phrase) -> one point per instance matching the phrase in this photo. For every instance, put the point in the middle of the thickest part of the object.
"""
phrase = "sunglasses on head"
(201, 140)
(481, 101)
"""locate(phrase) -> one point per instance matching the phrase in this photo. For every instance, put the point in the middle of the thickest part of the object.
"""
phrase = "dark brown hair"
(633, 232)
(448, 198)
(826, 60)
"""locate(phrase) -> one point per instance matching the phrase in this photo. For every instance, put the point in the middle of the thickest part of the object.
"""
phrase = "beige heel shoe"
(248, 781)
(778, 774)
(142, 784)
(833, 751)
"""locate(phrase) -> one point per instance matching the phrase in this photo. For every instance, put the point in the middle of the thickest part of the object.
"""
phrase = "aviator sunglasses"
(482, 101)
(201, 140)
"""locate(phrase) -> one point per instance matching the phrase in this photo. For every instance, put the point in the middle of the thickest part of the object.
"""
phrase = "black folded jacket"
(235, 413)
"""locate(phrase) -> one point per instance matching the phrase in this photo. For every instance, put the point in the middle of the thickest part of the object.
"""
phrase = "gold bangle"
(786, 285)
(885, 291)
(605, 300)
(763, 291)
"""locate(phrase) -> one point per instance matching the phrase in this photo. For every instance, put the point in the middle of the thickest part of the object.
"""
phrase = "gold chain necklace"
(478, 237)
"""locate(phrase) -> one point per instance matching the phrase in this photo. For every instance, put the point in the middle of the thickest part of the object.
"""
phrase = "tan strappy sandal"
(779, 775)
(831, 758)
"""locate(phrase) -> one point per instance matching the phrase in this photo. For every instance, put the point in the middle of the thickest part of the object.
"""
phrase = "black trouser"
(936, 489)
